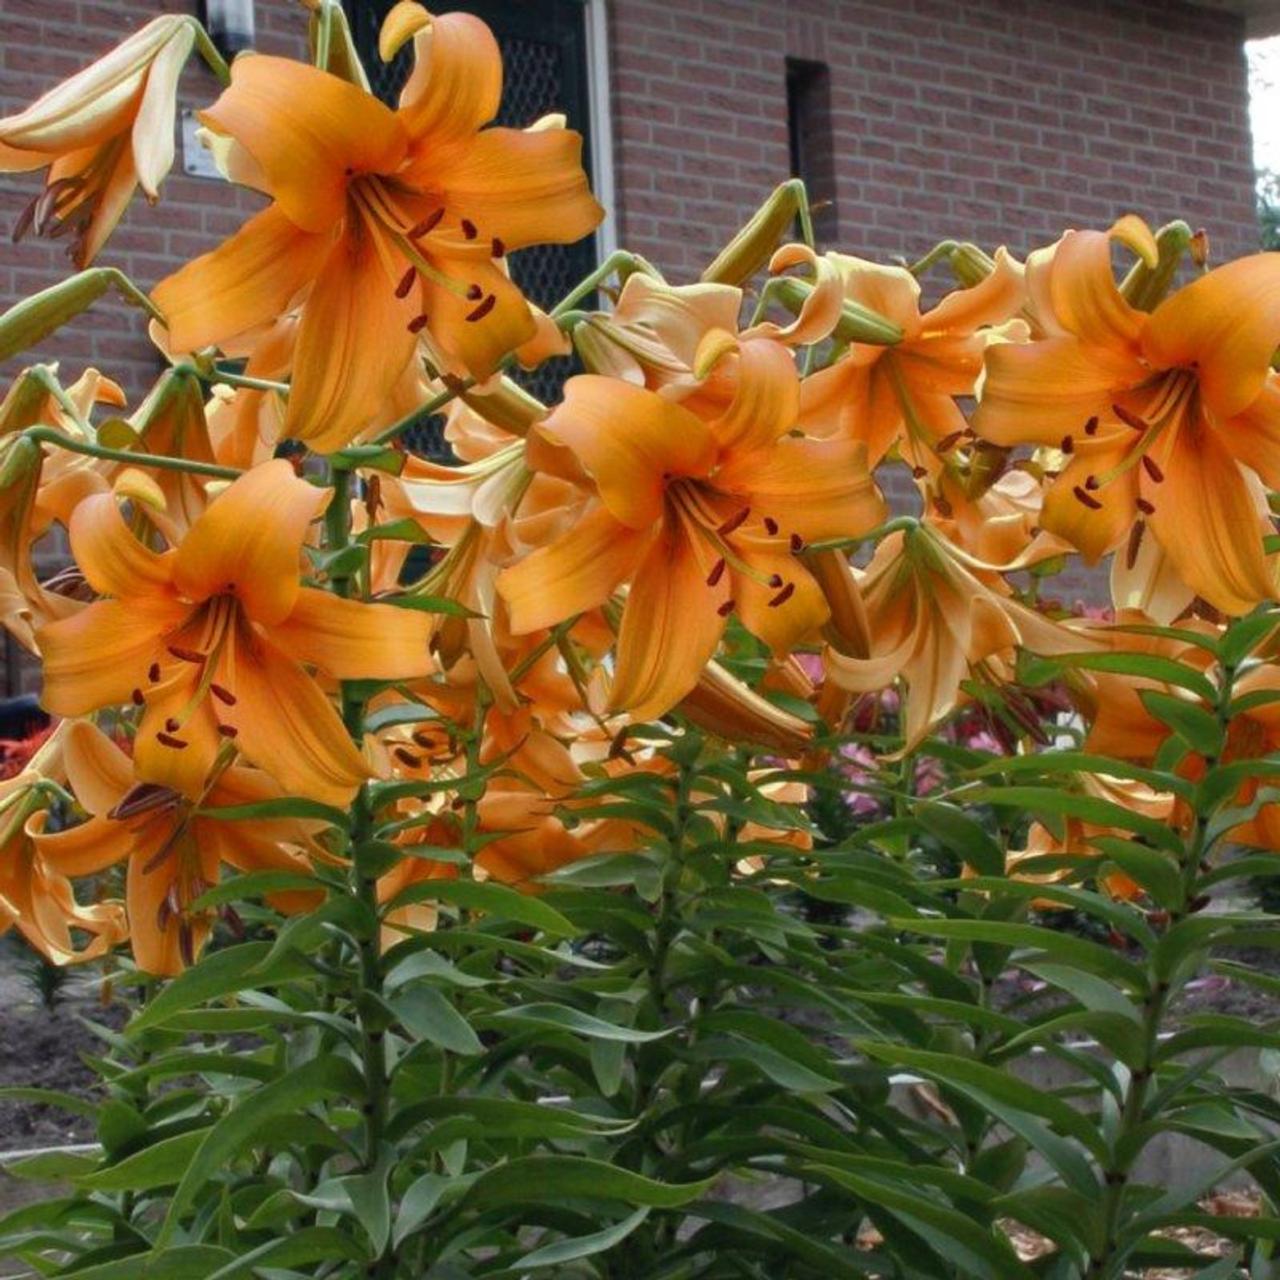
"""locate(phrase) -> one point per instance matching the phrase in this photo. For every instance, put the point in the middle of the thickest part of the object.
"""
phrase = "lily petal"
(250, 541)
(352, 640)
(110, 556)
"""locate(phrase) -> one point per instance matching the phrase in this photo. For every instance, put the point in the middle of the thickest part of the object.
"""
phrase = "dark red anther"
(137, 697)
(783, 596)
(168, 740)
(223, 695)
(228, 730)
(474, 293)
(726, 609)
(770, 526)
(1068, 445)
(947, 443)
(497, 248)
(153, 672)
(717, 572)
(1130, 419)
(1150, 467)
(171, 725)
(775, 580)
(187, 655)
(1147, 508)
(1135, 544)
(1091, 427)
(1087, 498)
(484, 308)
(406, 282)
(918, 473)
(468, 228)
(407, 757)
(418, 323)
(429, 223)
(1091, 483)
(733, 522)
(796, 543)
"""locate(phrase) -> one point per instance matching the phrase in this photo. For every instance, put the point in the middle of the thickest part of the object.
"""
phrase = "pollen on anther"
(1091, 427)
(1087, 498)
(733, 522)
(468, 228)
(406, 282)
(228, 730)
(1150, 466)
(418, 323)
(429, 223)
(187, 655)
(407, 757)
(137, 697)
(783, 596)
(947, 443)
(223, 695)
(153, 672)
(484, 308)
(474, 293)
(1091, 483)
(770, 526)
(1130, 419)
(726, 609)
(1068, 445)
(717, 572)
(796, 543)
(497, 248)
(172, 725)
(1147, 508)
(168, 740)
(775, 580)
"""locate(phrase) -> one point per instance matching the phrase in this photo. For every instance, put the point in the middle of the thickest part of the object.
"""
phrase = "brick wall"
(997, 120)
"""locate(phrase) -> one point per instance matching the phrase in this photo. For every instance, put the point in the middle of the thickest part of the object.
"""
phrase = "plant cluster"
(630, 850)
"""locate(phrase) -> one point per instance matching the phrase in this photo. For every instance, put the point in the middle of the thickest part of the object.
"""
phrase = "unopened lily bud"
(857, 323)
(1149, 280)
(969, 264)
(36, 317)
(751, 248)
(343, 60)
(20, 460)
(509, 407)
(723, 705)
(848, 630)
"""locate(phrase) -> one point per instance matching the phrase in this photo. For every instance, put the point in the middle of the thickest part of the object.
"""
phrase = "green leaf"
(285, 807)
(187, 1262)
(48, 1098)
(220, 973)
(963, 836)
(1244, 635)
(1198, 728)
(432, 604)
(1068, 804)
(427, 1014)
(954, 1235)
(1150, 666)
(297, 1248)
(561, 1251)
(493, 899)
(406, 530)
(160, 1165)
(552, 1179)
(255, 884)
(290, 1094)
(369, 457)
(1156, 872)
(563, 1017)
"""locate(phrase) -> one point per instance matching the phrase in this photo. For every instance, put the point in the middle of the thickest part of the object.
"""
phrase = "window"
(811, 141)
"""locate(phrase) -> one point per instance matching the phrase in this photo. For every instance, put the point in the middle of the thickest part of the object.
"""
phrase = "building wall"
(996, 120)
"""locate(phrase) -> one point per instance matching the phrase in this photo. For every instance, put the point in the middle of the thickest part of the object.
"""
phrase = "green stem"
(615, 261)
(899, 524)
(1159, 996)
(424, 411)
(47, 435)
(324, 35)
(209, 52)
(363, 886)
(246, 380)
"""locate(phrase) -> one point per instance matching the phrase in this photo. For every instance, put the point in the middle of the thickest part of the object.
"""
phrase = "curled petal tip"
(401, 24)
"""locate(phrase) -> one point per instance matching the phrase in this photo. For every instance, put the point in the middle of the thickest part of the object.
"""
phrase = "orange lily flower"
(390, 226)
(174, 848)
(703, 512)
(35, 898)
(210, 637)
(936, 620)
(1078, 836)
(101, 133)
(1157, 414)
(905, 394)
